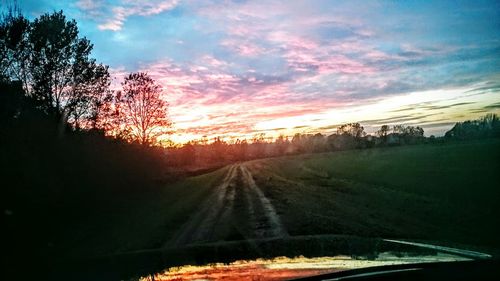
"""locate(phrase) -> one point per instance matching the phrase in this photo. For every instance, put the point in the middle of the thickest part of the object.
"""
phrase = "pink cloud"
(243, 47)
(113, 17)
(290, 38)
(306, 55)
(210, 101)
(89, 4)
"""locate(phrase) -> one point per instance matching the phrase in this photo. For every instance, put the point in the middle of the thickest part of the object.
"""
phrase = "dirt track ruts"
(237, 209)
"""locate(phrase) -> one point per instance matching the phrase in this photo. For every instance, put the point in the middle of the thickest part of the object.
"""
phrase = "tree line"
(53, 65)
(348, 136)
(486, 126)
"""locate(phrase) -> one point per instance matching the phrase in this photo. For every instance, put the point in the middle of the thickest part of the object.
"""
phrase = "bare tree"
(142, 111)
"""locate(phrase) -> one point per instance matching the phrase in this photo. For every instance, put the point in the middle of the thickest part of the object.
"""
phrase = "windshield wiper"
(458, 252)
(482, 267)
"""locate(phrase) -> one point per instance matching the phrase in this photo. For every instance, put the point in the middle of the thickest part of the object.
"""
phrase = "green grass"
(446, 192)
(435, 192)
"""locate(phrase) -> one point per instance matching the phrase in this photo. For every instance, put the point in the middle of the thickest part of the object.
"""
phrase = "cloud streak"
(112, 16)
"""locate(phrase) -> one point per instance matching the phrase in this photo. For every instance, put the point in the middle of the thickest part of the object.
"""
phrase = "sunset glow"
(237, 69)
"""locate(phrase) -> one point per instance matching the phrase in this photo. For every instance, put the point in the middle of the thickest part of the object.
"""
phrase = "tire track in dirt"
(236, 208)
(275, 227)
(201, 225)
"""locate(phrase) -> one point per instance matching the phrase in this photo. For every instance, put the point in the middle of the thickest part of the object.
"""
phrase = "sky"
(241, 68)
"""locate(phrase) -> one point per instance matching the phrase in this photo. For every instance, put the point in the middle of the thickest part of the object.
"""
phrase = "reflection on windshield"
(283, 268)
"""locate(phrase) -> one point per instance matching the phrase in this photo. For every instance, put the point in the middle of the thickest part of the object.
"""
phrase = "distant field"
(443, 192)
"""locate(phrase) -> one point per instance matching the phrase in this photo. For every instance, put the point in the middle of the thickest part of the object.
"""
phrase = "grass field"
(446, 192)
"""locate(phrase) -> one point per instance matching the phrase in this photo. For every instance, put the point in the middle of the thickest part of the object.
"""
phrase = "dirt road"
(236, 210)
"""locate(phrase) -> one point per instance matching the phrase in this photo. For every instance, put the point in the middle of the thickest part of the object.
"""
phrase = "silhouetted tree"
(218, 149)
(258, 146)
(89, 88)
(317, 143)
(14, 47)
(241, 149)
(57, 56)
(281, 145)
(54, 65)
(486, 126)
(408, 134)
(143, 113)
(298, 143)
(353, 129)
(101, 98)
(187, 154)
(383, 132)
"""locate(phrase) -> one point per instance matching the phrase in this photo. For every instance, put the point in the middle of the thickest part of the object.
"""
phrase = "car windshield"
(246, 140)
